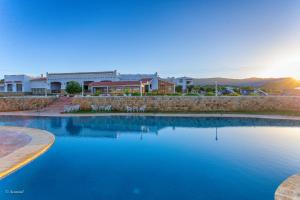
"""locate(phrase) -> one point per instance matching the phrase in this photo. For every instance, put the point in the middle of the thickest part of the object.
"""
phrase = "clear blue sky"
(207, 38)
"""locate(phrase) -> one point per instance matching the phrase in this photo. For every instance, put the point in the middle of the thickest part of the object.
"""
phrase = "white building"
(55, 83)
(17, 83)
(2, 87)
(39, 86)
(136, 77)
(182, 81)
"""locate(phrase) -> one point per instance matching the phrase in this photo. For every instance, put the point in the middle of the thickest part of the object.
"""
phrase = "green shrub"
(73, 87)
(178, 88)
(97, 93)
(210, 94)
(233, 94)
(154, 93)
(126, 91)
(191, 94)
(135, 94)
(190, 88)
(175, 94)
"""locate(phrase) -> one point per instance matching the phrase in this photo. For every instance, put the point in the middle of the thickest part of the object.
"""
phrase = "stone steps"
(58, 105)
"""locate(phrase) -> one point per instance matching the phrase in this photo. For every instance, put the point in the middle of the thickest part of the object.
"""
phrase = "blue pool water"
(157, 158)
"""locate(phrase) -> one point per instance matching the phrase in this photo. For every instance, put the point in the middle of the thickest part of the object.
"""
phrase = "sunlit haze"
(216, 38)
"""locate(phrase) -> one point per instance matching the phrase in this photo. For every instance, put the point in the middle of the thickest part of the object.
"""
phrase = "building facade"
(39, 86)
(118, 87)
(142, 86)
(17, 83)
(184, 82)
(56, 83)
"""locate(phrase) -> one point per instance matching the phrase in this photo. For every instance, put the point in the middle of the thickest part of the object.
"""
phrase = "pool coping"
(289, 189)
(40, 142)
(229, 115)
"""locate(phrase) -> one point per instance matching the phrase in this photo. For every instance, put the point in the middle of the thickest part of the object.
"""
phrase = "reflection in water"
(56, 122)
(193, 158)
(112, 127)
(72, 127)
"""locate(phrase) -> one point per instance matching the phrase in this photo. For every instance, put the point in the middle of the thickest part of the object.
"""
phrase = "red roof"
(116, 83)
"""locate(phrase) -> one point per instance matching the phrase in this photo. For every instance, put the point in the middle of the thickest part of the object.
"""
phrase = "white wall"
(2, 87)
(183, 82)
(15, 79)
(64, 78)
(38, 84)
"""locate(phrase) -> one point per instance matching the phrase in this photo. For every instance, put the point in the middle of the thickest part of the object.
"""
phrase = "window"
(19, 87)
(9, 87)
(38, 91)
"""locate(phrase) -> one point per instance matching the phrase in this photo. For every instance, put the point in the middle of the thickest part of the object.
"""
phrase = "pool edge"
(260, 116)
(289, 189)
(40, 142)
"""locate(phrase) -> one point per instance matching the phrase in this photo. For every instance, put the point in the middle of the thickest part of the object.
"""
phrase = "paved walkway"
(58, 105)
(289, 189)
(19, 146)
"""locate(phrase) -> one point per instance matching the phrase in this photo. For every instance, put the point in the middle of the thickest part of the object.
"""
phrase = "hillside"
(270, 83)
(282, 84)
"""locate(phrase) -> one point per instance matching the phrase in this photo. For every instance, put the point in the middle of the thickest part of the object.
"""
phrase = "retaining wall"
(24, 103)
(195, 104)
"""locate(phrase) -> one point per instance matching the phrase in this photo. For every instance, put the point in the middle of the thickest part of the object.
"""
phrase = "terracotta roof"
(166, 81)
(116, 83)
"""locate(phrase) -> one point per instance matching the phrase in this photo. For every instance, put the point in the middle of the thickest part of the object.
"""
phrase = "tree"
(73, 87)
(127, 91)
(209, 88)
(178, 88)
(197, 89)
(189, 88)
(247, 88)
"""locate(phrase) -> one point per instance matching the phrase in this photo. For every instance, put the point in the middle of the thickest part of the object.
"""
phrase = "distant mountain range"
(266, 83)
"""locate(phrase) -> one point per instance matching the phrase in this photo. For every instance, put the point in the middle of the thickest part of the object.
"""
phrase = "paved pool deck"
(289, 189)
(19, 146)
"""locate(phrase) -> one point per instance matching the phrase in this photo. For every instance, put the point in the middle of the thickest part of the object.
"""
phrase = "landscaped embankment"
(24, 103)
(196, 104)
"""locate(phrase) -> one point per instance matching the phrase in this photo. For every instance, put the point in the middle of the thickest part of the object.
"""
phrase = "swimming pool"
(157, 158)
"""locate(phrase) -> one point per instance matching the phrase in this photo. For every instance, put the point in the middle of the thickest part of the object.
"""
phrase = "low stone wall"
(24, 103)
(195, 104)
(14, 94)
